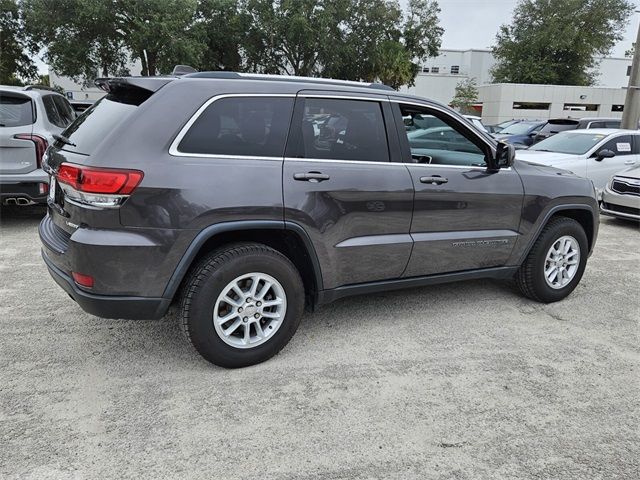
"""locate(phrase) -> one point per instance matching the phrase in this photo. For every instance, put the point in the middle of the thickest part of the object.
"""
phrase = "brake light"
(98, 187)
(40, 143)
(99, 180)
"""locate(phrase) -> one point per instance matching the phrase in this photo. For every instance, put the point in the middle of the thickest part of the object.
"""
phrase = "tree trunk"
(143, 60)
(151, 63)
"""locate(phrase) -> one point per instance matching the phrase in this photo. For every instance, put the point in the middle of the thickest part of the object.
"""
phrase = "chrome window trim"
(337, 160)
(173, 149)
(365, 162)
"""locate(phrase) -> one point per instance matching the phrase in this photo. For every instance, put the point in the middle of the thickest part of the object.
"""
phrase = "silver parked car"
(621, 196)
(30, 117)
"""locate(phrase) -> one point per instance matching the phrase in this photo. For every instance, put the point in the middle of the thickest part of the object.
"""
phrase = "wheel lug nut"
(245, 319)
(259, 303)
(257, 315)
(240, 310)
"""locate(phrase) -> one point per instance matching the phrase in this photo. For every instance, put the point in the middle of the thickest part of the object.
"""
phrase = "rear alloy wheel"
(250, 310)
(242, 304)
(556, 262)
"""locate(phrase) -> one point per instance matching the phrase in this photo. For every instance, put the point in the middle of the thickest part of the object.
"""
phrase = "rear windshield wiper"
(63, 139)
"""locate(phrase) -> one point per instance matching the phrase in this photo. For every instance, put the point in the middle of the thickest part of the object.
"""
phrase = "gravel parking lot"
(461, 381)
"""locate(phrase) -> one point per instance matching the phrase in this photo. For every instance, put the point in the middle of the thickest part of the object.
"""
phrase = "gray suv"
(248, 198)
(30, 117)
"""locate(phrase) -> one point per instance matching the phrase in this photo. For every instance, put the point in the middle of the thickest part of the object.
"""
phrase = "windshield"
(15, 110)
(518, 129)
(569, 142)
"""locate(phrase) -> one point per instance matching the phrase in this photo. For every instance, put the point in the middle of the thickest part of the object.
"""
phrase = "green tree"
(555, 41)
(629, 53)
(81, 37)
(466, 95)
(221, 26)
(379, 42)
(15, 64)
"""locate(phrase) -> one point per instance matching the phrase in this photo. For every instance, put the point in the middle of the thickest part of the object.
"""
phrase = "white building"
(498, 102)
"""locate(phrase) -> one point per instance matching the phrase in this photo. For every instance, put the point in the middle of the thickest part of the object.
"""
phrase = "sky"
(474, 24)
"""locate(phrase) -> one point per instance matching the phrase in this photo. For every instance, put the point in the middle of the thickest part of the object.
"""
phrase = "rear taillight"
(40, 143)
(100, 187)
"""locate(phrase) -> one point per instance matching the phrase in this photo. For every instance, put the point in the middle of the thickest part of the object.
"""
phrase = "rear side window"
(246, 126)
(15, 111)
(58, 110)
(341, 130)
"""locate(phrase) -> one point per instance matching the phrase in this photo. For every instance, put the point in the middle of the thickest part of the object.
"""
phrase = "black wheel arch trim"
(552, 211)
(211, 231)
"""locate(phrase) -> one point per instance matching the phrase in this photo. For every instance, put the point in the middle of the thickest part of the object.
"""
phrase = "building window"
(425, 69)
(531, 106)
(581, 107)
(617, 108)
(455, 69)
(435, 70)
(629, 71)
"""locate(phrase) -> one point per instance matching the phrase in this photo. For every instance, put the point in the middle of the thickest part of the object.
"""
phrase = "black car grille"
(621, 186)
(621, 209)
(53, 236)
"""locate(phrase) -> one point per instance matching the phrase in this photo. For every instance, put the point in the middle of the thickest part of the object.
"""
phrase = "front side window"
(438, 140)
(342, 130)
(622, 145)
(243, 126)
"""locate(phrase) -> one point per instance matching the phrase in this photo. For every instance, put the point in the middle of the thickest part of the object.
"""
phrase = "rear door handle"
(314, 177)
(434, 180)
(630, 162)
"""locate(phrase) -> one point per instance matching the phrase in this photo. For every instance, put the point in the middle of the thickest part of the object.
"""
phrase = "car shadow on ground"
(13, 215)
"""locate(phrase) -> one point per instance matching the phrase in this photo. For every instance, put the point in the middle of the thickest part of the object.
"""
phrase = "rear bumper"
(29, 191)
(107, 306)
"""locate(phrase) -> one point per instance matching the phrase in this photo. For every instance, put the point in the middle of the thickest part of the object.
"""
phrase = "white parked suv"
(596, 154)
(29, 119)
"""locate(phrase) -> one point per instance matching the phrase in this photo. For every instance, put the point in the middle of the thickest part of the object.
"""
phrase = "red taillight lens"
(40, 143)
(82, 279)
(99, 180)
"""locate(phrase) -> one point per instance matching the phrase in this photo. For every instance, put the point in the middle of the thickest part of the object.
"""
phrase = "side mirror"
(602, 154)
(505, 156)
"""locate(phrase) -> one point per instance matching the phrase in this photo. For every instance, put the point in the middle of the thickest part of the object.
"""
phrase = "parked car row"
(30, 119)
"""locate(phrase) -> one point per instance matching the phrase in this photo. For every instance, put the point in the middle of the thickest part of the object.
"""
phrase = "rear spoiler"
(150, 84)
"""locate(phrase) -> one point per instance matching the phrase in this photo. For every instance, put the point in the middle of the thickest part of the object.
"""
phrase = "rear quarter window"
(15, 110)
(240, 126)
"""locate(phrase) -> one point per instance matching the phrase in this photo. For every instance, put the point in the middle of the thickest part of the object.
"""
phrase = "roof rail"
(39, 87)
(285, 78)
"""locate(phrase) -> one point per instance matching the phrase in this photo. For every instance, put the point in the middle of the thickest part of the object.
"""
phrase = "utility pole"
(631, 113)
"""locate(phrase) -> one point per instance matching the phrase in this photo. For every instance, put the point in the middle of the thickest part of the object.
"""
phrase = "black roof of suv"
(247, 198)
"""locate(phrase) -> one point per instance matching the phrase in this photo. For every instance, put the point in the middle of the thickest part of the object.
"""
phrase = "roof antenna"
(183, 70)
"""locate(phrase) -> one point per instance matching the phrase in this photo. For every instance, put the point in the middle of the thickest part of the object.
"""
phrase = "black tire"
(530, 277)
(208, 280)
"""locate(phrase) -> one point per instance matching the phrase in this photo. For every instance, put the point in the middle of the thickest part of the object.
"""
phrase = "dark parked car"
(556, 125)
(520, 134)
(220, 191)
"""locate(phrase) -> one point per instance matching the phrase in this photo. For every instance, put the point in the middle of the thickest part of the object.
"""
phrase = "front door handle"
(314, 177)
(434, 180)
(630, 162)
